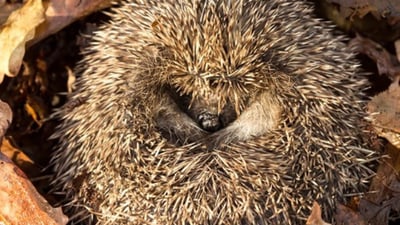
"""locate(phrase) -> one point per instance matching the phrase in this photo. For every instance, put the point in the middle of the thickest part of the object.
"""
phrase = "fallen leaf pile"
(383, 201)
(14, 34)
(20, 202)
(33, 22)
(387, 9)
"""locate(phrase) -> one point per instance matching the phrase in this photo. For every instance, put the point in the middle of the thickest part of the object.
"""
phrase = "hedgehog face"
(214, 100)
(214, 69)
(207, 112)
(210, 68)
(212, 96)
(217, 111)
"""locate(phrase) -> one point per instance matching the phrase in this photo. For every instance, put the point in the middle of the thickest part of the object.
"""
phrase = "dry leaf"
(20, 202)
(61, 13)
(383, 199)
(385, 112)
(19, 28)
(386, 63)
(379, 9)
(5, 118)
(35, 107)
(397, 46)
(20, 159)
(347, 216)
(32, 23)
(6, 8)
(315, 216)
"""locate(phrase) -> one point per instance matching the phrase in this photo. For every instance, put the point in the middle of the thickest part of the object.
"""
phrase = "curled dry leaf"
(379, 9)
(383, 199)
(20, 202)
(36, 108)
(315, 216)
(21, 159)
(397, 46)
(385, 62)
(5, 118)
(347, 216)
(19, 28)
(61, 13)
(385, 112)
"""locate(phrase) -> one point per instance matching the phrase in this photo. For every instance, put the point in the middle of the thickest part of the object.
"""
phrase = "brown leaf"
(315, 216)
(385, 112)
(5, 118)
(61, 13)
(380, 9)
(20, 158)
(397, 46)
(384, 196)
(20, 202)
(6, 9)
(386, 63)
(347, 216)
(35, 107)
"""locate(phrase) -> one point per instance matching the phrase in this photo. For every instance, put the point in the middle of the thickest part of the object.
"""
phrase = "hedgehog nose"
(209, 121)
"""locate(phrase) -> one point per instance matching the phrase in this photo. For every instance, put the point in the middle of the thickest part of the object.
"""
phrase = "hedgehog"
(213, 112)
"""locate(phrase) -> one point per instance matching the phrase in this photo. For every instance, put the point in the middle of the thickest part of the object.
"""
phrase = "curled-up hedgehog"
(213, 112)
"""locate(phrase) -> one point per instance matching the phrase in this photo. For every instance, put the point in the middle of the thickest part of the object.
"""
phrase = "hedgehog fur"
(212, 112)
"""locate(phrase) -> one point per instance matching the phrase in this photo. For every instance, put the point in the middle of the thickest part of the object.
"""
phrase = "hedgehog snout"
(209, 118)
(205, 111)
(209, 121)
